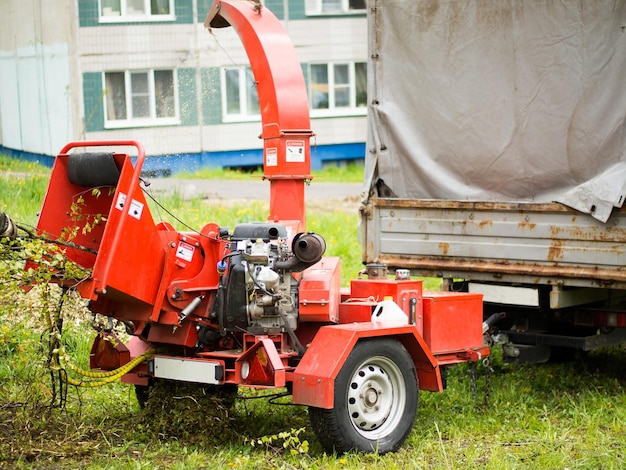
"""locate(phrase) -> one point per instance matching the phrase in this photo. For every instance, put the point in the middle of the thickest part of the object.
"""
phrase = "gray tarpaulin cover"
(500, 100)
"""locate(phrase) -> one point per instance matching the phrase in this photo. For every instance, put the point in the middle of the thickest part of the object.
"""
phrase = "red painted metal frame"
(314, 378)
(319, 293)
(265, 362)
(132, 188)
(127, 243)
(452, 321)
(283, 100)
(53, 218)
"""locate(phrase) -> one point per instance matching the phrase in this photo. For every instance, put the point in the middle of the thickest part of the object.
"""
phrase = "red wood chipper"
(258, 306)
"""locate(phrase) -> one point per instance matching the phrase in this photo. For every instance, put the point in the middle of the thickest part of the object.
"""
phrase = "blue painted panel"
(338, 152)
(88, 13)
(203, 9)
(320, 155)
(187, 97)
(211, 96)
(184, 11)
(165, 165)
(93, 101)
(278, 7)
(296, 10)
(45, 160)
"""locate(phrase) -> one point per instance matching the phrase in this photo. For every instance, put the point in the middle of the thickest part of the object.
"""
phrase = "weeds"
(288, 440)
(22, 188)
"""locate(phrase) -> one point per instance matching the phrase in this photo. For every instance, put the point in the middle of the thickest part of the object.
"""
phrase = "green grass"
(22, 188)
(553, 416)
(547, 416)
(350, 173)
(15, 165)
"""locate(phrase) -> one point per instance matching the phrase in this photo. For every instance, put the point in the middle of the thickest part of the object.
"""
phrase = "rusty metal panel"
(510, 242)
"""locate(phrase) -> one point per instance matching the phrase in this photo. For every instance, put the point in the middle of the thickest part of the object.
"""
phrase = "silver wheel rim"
(376, 397)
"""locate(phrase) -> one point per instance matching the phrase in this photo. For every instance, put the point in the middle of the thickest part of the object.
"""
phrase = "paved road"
(254, 188)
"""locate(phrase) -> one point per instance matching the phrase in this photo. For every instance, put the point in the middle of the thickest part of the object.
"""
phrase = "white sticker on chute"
(295, 151)
(135, 209)
(121, 199)
(271, 156)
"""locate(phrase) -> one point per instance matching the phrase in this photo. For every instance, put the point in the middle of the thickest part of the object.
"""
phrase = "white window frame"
(352, 109)
(244, 87)
(316, 8)
(152, 120)
(125, 17)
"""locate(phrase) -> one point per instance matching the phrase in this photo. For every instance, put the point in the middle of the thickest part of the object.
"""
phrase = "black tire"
(376, 394)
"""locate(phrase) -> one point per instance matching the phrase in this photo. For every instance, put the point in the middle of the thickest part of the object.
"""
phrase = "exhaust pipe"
(307, 249)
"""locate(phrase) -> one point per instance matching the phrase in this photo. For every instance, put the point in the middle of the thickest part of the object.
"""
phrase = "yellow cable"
(109, 376)
(99, 374)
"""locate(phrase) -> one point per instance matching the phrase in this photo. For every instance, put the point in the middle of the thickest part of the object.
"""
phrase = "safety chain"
(471, 370)
(489, 372)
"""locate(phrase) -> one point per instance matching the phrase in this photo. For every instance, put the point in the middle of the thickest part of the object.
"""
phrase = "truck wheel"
(376, 395)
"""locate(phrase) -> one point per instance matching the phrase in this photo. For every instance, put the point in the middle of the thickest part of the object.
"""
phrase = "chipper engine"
(258, 306)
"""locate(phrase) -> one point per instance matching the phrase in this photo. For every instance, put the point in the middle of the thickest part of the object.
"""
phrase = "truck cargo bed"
(530, 243)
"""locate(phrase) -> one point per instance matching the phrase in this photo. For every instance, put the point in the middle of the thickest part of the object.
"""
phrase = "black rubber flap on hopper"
(92, 169)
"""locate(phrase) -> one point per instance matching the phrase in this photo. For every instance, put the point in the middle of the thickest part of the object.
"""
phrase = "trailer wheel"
(376, 394)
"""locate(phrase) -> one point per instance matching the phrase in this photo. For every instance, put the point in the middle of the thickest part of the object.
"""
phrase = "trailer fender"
(314, 377)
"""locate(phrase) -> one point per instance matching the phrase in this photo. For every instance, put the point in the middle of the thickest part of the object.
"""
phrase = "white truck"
(496, 160)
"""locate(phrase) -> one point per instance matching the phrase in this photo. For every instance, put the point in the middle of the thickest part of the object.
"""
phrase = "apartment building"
(149, 70)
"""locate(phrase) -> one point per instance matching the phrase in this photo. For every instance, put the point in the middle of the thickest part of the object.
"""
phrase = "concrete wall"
(184, 46)
(39, 105)
(53, 55)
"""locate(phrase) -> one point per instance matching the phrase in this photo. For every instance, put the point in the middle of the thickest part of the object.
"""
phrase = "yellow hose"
(108, 377)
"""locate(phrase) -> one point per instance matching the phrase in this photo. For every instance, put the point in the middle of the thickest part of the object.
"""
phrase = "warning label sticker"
(185, 251)
(135, 209)
(271, 157)
(121, 199)
(295, 151)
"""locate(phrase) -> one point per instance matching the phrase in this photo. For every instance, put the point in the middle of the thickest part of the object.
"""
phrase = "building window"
(334, 7)
(140, 98)
(240, 99)
(338, 88)
(136, 10)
